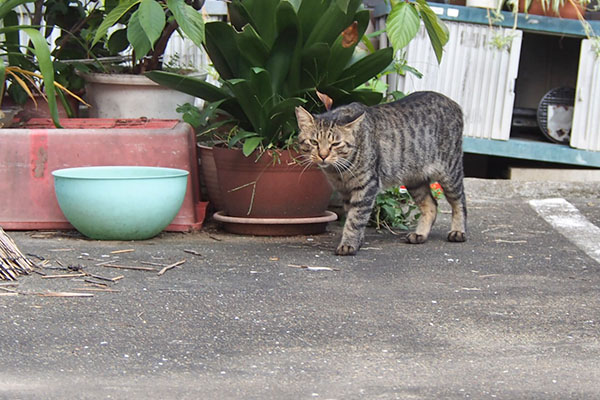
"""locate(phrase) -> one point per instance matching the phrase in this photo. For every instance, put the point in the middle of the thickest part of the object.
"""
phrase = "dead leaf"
(326, 100)
(350, 35)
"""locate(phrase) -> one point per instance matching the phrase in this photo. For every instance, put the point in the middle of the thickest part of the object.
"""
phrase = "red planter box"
(28, 155)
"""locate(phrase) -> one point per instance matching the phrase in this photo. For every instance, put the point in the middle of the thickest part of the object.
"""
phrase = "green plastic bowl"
(120, 203)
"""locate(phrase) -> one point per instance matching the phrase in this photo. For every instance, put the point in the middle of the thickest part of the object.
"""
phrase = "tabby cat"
(412, 142)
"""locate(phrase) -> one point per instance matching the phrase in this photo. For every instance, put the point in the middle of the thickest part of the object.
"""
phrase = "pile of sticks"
(12, 262)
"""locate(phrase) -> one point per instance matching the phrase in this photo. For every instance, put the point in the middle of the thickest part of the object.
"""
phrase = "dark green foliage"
(274, 56)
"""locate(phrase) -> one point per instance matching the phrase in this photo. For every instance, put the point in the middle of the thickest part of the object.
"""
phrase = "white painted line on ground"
(566, 219)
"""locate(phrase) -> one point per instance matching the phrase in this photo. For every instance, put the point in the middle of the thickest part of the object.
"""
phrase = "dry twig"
(129, 267)
(122, 251)
(12, 262)
(313, 268)
(170, 266)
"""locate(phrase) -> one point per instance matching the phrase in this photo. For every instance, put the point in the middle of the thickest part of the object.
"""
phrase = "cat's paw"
(414, 238)
(345, 250)
(457, 236)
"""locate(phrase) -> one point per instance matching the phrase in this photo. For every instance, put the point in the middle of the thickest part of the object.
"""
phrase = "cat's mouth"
(321, 163)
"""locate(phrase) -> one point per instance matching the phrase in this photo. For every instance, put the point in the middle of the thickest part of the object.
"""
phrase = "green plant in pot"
(573, 9)
(131, 39)
(26, 70)
(274, 56)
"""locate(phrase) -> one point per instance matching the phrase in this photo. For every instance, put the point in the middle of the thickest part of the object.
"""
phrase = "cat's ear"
(304, 118)
(353, 125)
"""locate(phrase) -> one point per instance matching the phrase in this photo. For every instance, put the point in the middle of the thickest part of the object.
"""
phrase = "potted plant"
(130, 39)
(26, 71)
(572, 9)
(274, 56)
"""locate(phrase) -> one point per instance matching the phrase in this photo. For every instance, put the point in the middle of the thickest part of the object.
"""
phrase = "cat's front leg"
(357, 218)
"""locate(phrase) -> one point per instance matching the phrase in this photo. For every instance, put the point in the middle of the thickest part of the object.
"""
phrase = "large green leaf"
(308, 15)
(2, 78)
(252, 47)
(261, 83)
(341, 96)
(402, 24)
(251, 144)
(261, 14)
(343, 5)
(7, 6)
(189, 84)
(246, 96)
(340, 55)
(328, 26)
(436, 29)
(366, 68)
(137, 37)
(152, 19)
(11, 38)
(42, 54)
(190, 20)
(284, 48)
(112, 18)
(314, 65)
(367, 97)
(221, 46)
(284, 111)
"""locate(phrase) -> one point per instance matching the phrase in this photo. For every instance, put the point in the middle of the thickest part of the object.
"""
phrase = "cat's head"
(325, 141)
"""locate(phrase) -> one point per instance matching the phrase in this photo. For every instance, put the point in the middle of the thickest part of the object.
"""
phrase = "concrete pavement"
(513, 313)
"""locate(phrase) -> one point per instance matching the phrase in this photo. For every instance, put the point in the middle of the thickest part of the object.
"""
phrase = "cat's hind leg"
(428, 205)
(455, 194)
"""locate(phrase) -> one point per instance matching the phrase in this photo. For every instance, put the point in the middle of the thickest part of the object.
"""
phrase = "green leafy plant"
(275, 55)
(395, 208)
(76, 22)
(208, 122)
(404, 20)
(553, 5)
(148, 26)
(26, 69)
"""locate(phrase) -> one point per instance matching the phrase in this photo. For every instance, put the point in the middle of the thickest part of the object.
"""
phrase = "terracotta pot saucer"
(275, 226)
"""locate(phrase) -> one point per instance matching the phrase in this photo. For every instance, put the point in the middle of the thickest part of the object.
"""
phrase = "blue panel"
(532, 150)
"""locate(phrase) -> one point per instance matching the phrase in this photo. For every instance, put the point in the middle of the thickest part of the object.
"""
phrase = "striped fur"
(412, 142)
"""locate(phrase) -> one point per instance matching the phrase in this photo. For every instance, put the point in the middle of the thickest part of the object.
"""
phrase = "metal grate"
(555, 114)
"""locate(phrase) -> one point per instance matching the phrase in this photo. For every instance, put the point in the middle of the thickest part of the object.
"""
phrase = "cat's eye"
(336, 144)
(314, 142)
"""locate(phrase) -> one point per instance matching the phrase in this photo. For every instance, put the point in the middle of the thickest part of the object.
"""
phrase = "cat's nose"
(323, 155)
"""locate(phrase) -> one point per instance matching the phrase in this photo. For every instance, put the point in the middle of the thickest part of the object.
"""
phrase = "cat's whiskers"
(307, 165)
(344, 165)
(304, 160)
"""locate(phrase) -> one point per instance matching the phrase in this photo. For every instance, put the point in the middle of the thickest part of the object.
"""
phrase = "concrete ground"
(513, 313)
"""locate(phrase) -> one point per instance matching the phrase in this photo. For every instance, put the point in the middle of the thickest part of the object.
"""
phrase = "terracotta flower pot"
(270, 188)
(209, 176)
